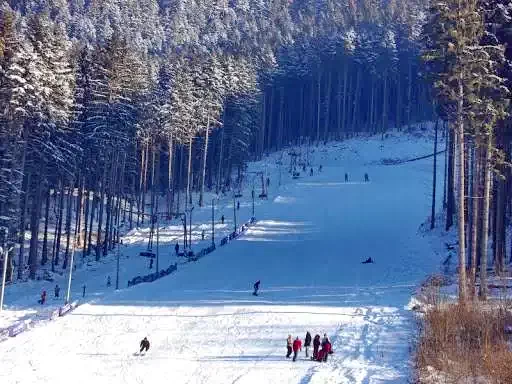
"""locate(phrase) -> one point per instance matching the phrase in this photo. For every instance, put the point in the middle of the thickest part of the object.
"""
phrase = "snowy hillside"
(307, 246)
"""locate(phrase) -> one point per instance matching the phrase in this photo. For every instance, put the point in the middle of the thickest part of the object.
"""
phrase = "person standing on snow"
(316, 346)
(109, 282)
(177, 248)
(289, 345)
(144, 345)
(366, 177)
(346, 177)
(256, 288)
(43, 297)
(307, 343)
(297, 346)
(222, 219)
(57, 291)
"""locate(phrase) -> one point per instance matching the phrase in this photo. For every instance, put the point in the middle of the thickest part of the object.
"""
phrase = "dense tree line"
(109, 107)
(469, 63)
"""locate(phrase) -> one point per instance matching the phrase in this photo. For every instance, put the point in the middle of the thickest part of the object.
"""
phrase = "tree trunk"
(69, 209)
(58, 229)
(450, 203)
(485, 218)
(462, 201)
(475, 199)
(327, 106)
(189, 173)
(434, 179)
(203, 171)
(21, 239)
(318, 107)
(44, 254)
(100, 218)
(35, 215)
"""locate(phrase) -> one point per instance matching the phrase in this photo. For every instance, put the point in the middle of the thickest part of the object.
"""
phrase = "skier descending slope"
(144, 345)
(256, 288)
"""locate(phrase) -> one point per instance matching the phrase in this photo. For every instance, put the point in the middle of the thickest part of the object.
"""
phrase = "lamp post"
(213, 221)
(68, 295)
(234, 210)
(5, 252)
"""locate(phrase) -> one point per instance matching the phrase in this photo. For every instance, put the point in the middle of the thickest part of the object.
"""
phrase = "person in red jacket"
(297, 346)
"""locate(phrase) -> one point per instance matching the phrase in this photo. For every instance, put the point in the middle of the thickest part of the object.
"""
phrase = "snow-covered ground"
(203, 323)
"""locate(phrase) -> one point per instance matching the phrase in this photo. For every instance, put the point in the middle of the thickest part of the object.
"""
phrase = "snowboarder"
(222, 219)
(366, 178)
(43, 298)
(238, 205)
(297, 346)
(177, 248)
(83, 290)
(57, 291)
(256, 288)
(109, 282)
(144, 345)
(289, 344)
(311, 172)
(316, 346)
(307, 343)
(151, 264)
(368, 261)
(346, 177)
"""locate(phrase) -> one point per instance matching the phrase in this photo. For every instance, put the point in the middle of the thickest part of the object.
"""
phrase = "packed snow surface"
(204, 324)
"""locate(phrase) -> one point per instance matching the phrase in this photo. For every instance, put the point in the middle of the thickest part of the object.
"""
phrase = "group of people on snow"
(320, 355)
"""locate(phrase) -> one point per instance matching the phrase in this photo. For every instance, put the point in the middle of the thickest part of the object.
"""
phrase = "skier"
(346, 177)
(144, 345)
(368, 261)
(366, 177)
(238, 205)
(297, 346)
(316, 346)
(177, 248)
(256, 288)
(83, 290)
(43, 298)
(151, 264)
(320, 168)
(311, 172)
(57, 291)
(222, 219)
(109, 282)
(304, 168)
(289, 344)
(307, 343)
(268, 182)
(202, 235)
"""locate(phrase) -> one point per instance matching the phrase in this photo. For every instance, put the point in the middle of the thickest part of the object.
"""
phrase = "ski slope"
(205, 326)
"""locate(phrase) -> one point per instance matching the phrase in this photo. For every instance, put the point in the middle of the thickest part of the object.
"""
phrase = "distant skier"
(57, 291)
(151, 264)
(289, 345)
(256, 288)
(311, 172)
(238, 205)
(144, 345)
(202, 235)
(83, 290)
(297, 346)
(222, 219)
(109, 282)
(368, 261)
(43, 298)
(346, 177)
(320, 168)
(307, 343)
(177, 248)
(268, 181)
(304, 168)
(325, 351)
(316, 346)
(366, 178)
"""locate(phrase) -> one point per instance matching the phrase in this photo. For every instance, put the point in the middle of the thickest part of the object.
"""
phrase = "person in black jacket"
(316, 346)
(144, 345)
(307, 343)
